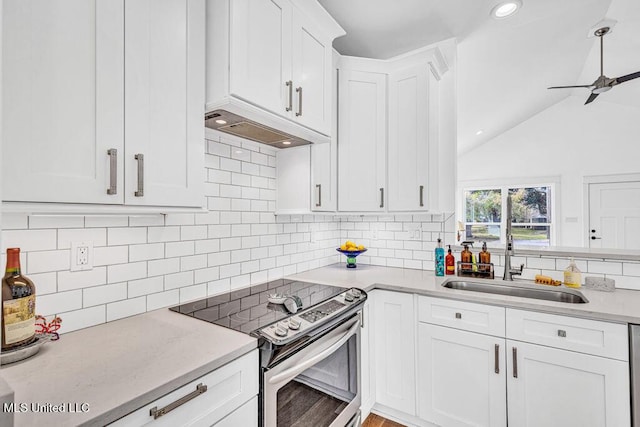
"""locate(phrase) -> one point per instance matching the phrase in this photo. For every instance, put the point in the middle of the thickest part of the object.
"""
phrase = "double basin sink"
(517, 290)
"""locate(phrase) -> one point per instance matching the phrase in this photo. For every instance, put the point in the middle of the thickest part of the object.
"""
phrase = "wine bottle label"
(19, 319)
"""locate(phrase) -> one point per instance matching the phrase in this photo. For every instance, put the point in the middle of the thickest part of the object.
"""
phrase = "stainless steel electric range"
(309, 360)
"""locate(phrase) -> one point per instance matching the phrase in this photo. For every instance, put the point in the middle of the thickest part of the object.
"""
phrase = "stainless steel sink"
(526, 291)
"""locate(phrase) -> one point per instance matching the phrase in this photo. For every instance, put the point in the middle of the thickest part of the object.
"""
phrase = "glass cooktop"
(248, 309)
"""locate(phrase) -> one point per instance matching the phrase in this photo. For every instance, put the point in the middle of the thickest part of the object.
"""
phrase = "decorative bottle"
(450, 263)
(466, 258)
(18, 304)
(485, 258)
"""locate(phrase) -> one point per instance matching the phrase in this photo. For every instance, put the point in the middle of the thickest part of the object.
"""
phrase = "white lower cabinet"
(552, 387)
(394, 349)
(461, 377)
(229, 400)
(569, 372)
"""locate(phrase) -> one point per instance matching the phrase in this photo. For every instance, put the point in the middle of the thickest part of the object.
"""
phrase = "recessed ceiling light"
(221, 122)
(480, 132)
(286, 142)
(506, 9)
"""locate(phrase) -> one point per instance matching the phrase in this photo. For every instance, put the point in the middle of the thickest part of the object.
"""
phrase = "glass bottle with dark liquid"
(18, 304)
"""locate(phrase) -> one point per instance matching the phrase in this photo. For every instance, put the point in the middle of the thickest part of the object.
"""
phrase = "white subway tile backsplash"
(178, 249)
(604, 267)
(151, 285)
(179, 219)
(541, 263)
(241, 281)
(109, 255)
(163, 266)
(40, 262)
(59, 302)
(55, 221)
(163, 234)
(219, 286)
(191, 293)
(218, 258)
(207, 218)
(45, 283)
(631, 269)
(193, 262)
(230, 244)
(149, 220)
(218, 149)
(126, 236)
(69, 280)
(178, 280)
(229, 270)
(206, 275)
(163, 299)
(29, 240)
(126, 308)
(194, 232)
(229, 165)
(124, 272)
(96, 235)
(104, 294)
(146, 252)
(14, 221)
(207, 246)
(84, 318)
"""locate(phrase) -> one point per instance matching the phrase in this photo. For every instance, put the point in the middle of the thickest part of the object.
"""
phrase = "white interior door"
(63, 105)
(164, 102)
(614, 215)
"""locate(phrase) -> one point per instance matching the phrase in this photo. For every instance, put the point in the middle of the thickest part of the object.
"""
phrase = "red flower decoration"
(42, 327)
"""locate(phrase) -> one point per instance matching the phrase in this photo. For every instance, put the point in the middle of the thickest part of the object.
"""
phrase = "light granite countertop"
(621, 306)
(118, 367)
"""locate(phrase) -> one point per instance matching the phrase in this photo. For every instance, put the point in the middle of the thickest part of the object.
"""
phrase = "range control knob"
(294, 324)
(356, 293)
(281, 332)
(348, 296)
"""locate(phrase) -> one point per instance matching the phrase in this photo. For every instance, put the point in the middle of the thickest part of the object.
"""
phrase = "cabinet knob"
(458, 315)
(562, 333)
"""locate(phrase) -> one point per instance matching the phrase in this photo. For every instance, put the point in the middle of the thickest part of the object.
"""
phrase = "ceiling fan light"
(506, 9)
(600, 90)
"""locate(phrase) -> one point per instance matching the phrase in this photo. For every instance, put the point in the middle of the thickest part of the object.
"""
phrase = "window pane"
(483, 233)
(483, 206)
(531, 235)
(531, 205)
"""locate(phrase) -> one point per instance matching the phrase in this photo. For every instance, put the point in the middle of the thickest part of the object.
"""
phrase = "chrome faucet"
(508, 252)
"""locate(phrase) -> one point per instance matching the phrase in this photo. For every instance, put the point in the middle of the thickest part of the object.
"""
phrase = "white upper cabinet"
(270, 60)
(260, 52)
(410, 120)
(312, 74)
(362, 141)
(164, 99)
(63, 100)
(83, 96)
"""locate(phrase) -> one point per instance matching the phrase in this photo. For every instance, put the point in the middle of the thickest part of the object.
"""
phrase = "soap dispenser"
(439, 258)
(485, 258)
(572, 275)
(450, 263)
(466, 258)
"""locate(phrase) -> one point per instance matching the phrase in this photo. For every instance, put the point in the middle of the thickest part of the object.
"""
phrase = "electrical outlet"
(81, 256)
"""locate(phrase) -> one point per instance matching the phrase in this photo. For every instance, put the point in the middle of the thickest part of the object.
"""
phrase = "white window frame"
(504, 185)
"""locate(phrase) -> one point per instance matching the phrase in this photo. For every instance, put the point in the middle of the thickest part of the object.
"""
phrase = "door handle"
(113, 171)
(140, 159)
(514, 352)
(319, 187)
(595, 238)
(157, 413)
(421, 195)
(299, 91)
(496, 363)
(290, 86)
(382, 197)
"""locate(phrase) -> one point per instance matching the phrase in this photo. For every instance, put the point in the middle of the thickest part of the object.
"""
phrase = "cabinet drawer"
(484, 319)
(571, 333)
(228, 388)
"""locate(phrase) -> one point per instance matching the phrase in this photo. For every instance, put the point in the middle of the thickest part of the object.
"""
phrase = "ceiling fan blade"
(567, 87)
(591, 98)
(628, 77)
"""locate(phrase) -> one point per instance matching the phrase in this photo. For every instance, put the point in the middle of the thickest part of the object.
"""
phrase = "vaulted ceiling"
(504, 66)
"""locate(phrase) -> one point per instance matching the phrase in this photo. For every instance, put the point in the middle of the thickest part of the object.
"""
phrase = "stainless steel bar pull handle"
(140, 159)
(299, 91)
(421, 195)
(157, 413)
(319, 187)
(290, 86)
(497, 358)
(514, 352)
(382, 197)
(113, 171)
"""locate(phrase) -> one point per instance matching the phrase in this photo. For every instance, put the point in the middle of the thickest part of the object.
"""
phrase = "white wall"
(568, 140)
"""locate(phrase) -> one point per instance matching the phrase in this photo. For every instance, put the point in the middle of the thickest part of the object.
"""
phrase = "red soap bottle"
(450, 262)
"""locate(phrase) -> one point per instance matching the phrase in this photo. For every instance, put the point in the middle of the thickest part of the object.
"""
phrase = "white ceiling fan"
(602, 83)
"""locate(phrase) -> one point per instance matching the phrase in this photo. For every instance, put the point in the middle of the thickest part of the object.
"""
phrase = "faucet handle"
(521, 267)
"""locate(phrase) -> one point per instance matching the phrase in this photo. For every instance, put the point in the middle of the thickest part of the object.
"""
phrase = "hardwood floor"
(374, 420)
(302, 406)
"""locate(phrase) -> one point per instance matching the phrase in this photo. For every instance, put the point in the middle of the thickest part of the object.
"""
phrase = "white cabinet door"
(408, 144)
(164, 102)
(551, 387)
(362, 141)
(245, 416)
(63, 103)
(311, 74)
(461, 377)
(260, 53)
(293, 180)
(323, 177)
(394, 329)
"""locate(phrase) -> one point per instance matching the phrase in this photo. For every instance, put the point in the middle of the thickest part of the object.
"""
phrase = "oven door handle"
(295, 370)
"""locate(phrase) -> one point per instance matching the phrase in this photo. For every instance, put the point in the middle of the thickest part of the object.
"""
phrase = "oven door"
(318, 386)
